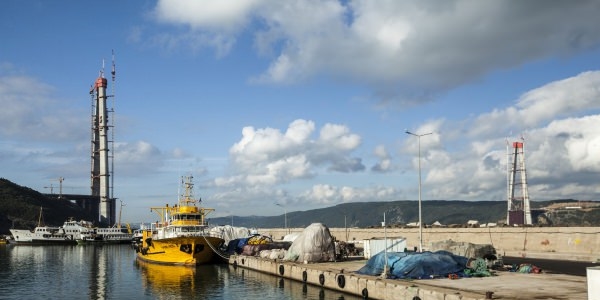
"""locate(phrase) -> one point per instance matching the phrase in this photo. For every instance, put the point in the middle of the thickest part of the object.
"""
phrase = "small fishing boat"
(182, 236)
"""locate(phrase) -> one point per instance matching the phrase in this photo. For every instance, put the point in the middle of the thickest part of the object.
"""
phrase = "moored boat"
(110, 235)
(182, 236)
(68, 233)
(136, 239)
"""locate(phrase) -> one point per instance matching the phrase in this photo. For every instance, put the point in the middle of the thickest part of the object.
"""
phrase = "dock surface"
(341, 276)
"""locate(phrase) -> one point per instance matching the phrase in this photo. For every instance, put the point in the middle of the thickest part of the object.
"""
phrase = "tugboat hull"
(190, 251)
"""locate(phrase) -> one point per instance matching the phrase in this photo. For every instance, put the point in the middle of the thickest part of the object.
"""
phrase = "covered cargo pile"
(314, 244)
(229, 233)
(414, 265)
(253, 245)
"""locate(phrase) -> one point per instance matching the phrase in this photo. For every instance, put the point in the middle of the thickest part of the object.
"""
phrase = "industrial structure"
(519, 210)
(102, 176)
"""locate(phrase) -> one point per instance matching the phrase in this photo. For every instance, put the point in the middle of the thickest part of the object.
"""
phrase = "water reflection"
(167, 280)
(112, 272)
(63, 272)
(291, 289)
(225, 282)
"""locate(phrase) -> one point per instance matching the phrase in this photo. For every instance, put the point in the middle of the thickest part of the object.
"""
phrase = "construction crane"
(51, 187)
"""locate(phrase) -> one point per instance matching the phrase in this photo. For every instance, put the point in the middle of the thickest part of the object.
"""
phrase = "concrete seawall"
(568, 243)
(341, 277)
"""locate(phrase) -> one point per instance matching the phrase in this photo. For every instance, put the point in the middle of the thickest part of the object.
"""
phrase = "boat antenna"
(179, 189)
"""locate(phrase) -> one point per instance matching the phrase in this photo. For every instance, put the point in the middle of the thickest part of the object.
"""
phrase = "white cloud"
(561, 98)
(385, 162)
(396, 47)
(218, 14)
(138, 158)
(338, 137)
(570, 96)
(268, 157)
(31, 111)
(461, 159)
(561, 153)
(325, 194)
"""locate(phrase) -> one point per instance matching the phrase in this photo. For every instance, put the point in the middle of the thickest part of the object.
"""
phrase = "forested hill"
(20, 208)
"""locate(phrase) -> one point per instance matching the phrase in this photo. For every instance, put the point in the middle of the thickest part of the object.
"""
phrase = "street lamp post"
(385, 272)
(420, 211)
(284, 216)
(120, 210)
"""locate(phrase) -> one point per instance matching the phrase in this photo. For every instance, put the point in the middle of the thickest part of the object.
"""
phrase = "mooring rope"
(213, 248)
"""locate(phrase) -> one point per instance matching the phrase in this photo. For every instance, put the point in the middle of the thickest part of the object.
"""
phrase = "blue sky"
(304, 103)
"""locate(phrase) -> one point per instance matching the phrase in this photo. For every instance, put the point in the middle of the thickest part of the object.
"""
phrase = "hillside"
(20, 208)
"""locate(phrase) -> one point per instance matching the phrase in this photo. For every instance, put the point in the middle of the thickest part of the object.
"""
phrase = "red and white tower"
(102, 159)
(519, 211)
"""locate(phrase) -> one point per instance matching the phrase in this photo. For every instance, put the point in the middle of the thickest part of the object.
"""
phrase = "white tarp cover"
(273, 253)
(229, 232)
(314, 244)
(290, 237)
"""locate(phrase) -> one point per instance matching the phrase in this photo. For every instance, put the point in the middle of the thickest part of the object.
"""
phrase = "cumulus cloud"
(562, 98)
(460, 159)
(325, 194)
(218, 14)
(267, 156)
(385, 162)
(411, 49)
(561, 144)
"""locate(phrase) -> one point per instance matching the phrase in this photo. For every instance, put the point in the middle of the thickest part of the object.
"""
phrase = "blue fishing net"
(413, 265)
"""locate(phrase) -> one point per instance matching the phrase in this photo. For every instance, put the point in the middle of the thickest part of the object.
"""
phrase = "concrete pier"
(563, 243)
(341, 276)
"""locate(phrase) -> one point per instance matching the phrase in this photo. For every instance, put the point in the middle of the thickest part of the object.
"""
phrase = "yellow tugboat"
(182, 236)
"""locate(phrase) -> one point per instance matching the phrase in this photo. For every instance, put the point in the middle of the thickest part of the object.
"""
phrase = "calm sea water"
(112, 272)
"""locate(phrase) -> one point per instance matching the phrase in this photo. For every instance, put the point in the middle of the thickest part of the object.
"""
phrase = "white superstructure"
(68, 233)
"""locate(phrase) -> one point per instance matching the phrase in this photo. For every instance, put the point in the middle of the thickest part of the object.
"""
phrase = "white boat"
(111, 235)
(136, 239)
(68, 233)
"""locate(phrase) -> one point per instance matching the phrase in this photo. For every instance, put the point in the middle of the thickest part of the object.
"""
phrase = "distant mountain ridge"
(20, 207)
(398, 213)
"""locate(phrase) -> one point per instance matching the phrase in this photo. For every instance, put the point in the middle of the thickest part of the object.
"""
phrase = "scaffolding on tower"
(519, 209)
(102, 154)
